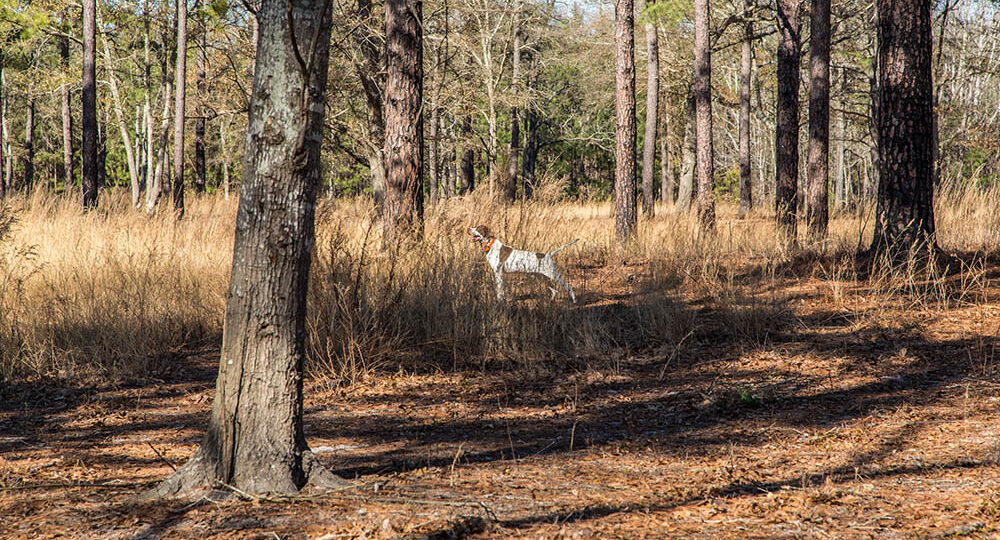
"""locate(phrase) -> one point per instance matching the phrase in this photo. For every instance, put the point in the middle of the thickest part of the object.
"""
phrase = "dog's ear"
(484, 230)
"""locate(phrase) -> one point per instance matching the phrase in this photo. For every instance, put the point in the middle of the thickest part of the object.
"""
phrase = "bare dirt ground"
(825, 411)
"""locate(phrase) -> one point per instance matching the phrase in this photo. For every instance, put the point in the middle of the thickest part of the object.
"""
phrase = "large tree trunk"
(29, 146)
(787, 120)
(515, 135)
(199, 123)
(703, 115)
(404, 138)
(180, 87)
(625, 211)
(67, 118)
(89, 104)
(652, 113)
(746, 65)
(688, 164)
(905, 215)
(255, 441)
(819, 119)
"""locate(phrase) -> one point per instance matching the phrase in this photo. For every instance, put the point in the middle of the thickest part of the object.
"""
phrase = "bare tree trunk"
(371, 74)
(180, 87)
(199, 123)
(666, 175)
(530, 160)
(819, 119)
(255, 440)
(133, 173)
(225, 159)
(688, 164)
(432, 154)
(787, 120)
(29, 146)
(515, 136)
(8, 174)
(3, 131)
(89, 105)
(746, 65)
(404, 140)
(468, 158)
(905, 215)
(703, 115)
(652, 113)
(841, 193)
(625, 211)
(67, 117)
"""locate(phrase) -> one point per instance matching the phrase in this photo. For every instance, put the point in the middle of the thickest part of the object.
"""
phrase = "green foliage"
(666, 12)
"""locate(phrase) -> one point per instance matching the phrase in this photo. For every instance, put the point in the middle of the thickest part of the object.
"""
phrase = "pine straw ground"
(804, 402)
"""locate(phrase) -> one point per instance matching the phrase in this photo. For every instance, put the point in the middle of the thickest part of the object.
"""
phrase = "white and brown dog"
(505, 259)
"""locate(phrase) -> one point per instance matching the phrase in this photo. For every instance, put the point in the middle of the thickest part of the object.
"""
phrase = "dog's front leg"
(498, 280)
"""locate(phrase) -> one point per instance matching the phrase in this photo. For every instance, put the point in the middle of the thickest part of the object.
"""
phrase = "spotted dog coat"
(504, 259)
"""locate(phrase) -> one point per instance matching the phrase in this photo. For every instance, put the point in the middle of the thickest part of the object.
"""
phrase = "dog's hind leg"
(558, 279)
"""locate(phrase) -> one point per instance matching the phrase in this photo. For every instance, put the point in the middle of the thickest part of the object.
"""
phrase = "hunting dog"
(504, 259)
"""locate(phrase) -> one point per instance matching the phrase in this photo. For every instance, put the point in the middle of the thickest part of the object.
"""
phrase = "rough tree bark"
(530, 159)
(819, 120)
(180, 88)
(8, 173)
(255, 441)
(787, 120)
(625, 130)
(468, 158)
(652, 113)
(666, 175)
(702, 85)
(89, 104)
(372, 76)
(746, 65)
(3, 132)
(199, 123)
(905, 214)
(404, 138)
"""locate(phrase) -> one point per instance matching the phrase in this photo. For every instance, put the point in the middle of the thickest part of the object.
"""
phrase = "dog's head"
(480, 233)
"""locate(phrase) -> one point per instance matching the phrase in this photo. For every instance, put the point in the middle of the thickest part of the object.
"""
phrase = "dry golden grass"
(118, 294)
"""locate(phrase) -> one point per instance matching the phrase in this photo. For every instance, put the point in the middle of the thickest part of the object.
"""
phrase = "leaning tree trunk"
(652, 110)
(625, 214)
(787, 120)
(29, 147)
(116, 104)
(703, 115)
(255, 441)
(819, 120)
(404, 137)
(905, 214)
(199, 123)
(180, 87)
(89, 104)
(746, 65)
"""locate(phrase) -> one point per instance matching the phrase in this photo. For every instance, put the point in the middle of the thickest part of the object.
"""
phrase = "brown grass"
(119, 294)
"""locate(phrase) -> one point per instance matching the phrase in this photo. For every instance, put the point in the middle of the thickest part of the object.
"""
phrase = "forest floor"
(848, 414)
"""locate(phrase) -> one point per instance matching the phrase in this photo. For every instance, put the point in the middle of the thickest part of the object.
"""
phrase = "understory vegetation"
(117, 295)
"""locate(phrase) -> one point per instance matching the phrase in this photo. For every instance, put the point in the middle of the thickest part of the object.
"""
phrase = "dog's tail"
(564, 246)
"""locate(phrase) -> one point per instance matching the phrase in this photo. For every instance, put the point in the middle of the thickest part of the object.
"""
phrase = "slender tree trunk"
(3, 131)
(703, 115)
(625, 130)
(67, 118)
(666, 175)
(133, 172)
(372, 76)
(787, 120)
(819, 119)
(688, 164)
(180, 87)
(29, 146)
(255, 441)
(199, 123)
(905, 214)
(432, 154)
(841, 178)
(530, 160)
(468, 159)
(652, 113)
(515, 135)
(404, 140)
(746, 64)
(8, 173)
(89, 104)
(224, 156)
